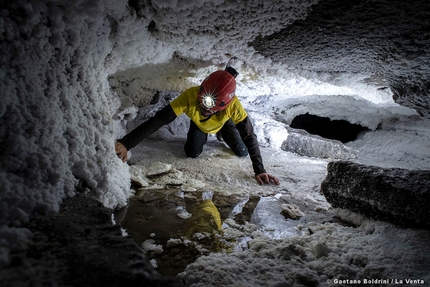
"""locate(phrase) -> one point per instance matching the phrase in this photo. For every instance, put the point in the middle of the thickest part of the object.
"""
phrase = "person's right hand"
(121, 151)
(263, 178)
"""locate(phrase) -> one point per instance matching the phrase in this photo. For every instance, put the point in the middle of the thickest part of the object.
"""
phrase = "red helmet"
(217, 90)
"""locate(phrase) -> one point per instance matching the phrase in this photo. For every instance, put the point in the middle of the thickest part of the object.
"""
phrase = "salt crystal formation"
(396, 195)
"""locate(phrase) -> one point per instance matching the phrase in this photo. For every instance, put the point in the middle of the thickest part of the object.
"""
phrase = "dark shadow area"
(340, 130)
(80, 246)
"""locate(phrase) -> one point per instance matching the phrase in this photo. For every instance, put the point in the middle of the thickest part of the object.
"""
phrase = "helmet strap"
(208, 118)
(205, 120)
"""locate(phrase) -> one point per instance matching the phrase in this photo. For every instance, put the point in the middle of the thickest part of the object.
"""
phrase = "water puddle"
(174, 227)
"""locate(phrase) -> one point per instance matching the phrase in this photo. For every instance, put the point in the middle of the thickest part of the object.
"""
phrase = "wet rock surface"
(292, 211)
(395, 195)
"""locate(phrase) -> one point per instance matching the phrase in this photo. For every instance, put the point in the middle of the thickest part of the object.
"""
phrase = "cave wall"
(56, 108)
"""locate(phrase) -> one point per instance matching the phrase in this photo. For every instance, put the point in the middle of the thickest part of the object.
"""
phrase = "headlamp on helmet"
(217, 90)
(208, 101)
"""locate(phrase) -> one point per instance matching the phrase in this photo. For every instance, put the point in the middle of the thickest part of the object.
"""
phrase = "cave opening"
(340, 130)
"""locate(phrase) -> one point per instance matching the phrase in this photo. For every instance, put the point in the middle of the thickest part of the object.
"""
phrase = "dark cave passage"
(340, 130)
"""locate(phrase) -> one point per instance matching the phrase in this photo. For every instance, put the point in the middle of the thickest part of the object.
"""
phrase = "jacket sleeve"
(249, 138)
(163, 117)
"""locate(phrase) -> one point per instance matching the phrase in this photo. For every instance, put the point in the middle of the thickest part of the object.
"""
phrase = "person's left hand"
(263, 178)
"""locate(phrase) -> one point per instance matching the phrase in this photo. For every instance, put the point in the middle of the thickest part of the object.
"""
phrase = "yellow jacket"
(188, 103)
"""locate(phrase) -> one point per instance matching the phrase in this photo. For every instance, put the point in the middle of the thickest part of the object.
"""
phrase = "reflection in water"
(204, 219)
(175, 227)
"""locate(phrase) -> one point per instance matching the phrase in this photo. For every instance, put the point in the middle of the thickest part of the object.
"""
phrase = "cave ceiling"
(387, 40)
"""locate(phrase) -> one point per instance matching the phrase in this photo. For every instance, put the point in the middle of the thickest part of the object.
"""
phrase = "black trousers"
(196, 139)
